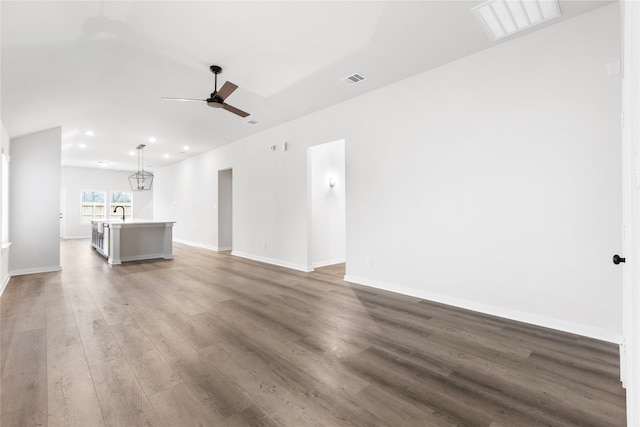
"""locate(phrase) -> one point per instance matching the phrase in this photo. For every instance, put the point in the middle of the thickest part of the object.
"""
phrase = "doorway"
(63, 201)
(327, 193)
(225, 210)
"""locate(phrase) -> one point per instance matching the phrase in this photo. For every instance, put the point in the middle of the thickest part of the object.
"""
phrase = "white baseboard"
(534, 319)
(197, 245)
(246, 255)
(24, 271)
(145, 257)
(5, 282)
(329, 262)
(76, 237)
(266, 260)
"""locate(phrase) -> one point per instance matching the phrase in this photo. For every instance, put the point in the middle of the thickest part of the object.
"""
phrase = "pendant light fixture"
(142, 179)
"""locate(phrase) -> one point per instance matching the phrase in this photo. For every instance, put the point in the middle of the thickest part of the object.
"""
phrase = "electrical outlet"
(368, 261)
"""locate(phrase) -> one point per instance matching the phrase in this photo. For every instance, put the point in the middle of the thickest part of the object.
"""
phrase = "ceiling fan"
(217, 97)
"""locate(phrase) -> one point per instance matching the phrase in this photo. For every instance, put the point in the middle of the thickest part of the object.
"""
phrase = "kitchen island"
(132, 239)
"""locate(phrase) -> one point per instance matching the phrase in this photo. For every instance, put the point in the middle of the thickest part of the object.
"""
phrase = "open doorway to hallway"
(327, 191)
(225, 210)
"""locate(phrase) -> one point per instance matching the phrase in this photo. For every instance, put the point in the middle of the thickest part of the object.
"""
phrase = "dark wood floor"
(209, 339)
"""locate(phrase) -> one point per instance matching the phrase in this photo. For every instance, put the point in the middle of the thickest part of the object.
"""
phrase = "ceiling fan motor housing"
(214, 102)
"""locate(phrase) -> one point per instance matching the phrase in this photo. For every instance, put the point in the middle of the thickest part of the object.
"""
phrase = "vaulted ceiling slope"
(104, 66)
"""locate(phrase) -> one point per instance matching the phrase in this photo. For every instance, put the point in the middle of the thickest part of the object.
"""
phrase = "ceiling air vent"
(252, 122)
(354, 78)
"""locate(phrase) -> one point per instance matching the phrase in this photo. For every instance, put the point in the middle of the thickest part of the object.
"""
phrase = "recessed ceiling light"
(82, 145)
(89, 133)
(502, 18)
(103, 163)
(132, 153)
(185, 148)
(166, 156)
(152, 139)
(251, 122)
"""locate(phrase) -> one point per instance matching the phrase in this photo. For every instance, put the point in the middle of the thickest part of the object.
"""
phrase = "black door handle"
(617, 259)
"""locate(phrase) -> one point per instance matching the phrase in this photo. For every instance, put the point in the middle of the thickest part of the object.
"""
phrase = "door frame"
(320, 179)
(63, 204)
(630, 120)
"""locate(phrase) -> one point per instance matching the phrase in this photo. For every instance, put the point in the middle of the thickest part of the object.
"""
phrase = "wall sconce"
(332, 182)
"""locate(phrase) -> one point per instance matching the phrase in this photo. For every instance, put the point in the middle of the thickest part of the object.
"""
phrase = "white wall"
(5, 146)
(35, 202)
(497, 188)
(327, 228)
(492, 183)
(75, 180)
(188, 192)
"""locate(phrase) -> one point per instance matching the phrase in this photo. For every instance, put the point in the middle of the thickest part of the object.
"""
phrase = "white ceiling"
(103, 66)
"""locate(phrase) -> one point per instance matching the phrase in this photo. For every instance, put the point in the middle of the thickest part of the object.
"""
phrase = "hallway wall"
(34, 188)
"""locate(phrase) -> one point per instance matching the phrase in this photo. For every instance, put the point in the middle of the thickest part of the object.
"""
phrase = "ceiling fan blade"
(234, 110)
(164, 98)
(226, 90)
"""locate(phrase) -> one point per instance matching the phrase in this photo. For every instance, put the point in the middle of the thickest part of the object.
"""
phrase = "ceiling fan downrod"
(215, 69)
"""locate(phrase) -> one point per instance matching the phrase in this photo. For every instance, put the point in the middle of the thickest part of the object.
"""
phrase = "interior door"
(630, 348)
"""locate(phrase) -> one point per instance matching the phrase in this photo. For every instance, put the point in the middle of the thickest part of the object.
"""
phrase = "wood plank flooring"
(208, 339)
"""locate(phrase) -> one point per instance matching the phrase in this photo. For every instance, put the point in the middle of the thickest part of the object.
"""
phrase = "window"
(92, 205)
(121, 199)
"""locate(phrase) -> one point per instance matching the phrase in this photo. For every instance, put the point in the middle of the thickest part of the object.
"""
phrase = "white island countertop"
(132, 239)
(129, 221)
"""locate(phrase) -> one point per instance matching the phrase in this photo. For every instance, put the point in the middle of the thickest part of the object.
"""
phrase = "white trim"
(145, 257)
(197, 245)
(329, 262)
(506, 313)
(279, 263)
(75, 237)
(630, 349)
(5, 282)
(5, 253)
(224, 249)
(24, 271)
